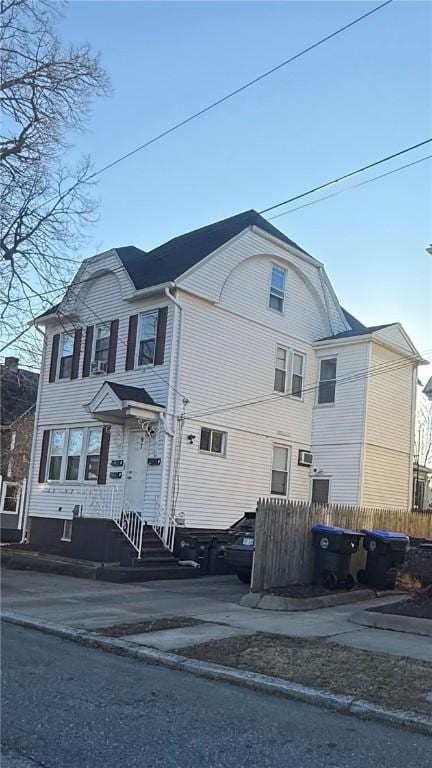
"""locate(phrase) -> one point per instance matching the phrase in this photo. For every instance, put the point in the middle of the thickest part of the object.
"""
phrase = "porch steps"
(155, 563)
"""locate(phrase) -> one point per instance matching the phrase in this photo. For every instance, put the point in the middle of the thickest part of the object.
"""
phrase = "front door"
(136, 470)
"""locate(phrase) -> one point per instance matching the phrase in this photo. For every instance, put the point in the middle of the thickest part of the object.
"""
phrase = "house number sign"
(153, 462)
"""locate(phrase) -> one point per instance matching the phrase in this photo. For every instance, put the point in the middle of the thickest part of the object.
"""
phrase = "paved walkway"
(90, 604)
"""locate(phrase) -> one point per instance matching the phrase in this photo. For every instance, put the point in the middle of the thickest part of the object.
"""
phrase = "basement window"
(67, 530)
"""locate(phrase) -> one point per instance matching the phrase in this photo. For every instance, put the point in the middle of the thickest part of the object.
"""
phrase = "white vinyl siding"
(388, 454)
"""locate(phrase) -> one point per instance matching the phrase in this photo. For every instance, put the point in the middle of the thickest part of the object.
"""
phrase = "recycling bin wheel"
(329, 580)
(349, 582)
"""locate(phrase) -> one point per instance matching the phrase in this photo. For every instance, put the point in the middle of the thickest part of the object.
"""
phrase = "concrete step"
(120, 574)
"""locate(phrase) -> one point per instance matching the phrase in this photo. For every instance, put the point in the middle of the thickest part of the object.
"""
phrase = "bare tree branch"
(46, 206)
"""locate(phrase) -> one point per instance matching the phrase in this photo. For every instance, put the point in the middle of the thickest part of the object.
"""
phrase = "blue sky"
(363, 95)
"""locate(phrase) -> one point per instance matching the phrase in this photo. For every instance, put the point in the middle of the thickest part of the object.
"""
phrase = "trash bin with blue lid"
(333, 549)
(386, 553)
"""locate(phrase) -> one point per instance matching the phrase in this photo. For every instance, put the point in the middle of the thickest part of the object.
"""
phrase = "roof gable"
(172, 259)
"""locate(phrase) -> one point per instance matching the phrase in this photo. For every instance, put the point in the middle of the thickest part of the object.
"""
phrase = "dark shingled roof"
(138, 394)
(357, 328)
(170, 260)
(48, 311)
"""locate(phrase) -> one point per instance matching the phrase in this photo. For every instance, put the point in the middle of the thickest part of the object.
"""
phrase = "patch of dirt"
(308, 590)
(392, 681)
(152, 625)
(406, 608)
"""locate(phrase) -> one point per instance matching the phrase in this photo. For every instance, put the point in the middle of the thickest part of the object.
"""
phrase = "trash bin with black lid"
(192, 548)
(333, 549)
(386, 551)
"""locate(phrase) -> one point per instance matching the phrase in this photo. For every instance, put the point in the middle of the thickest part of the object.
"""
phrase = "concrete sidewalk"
(215, 600)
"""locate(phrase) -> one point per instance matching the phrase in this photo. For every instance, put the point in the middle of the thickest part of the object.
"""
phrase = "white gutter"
(33, 450)
(173, 383)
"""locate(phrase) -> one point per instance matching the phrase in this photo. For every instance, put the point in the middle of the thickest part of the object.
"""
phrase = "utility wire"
(348, 189)
(271, 397)
(120, 338)
(121, 268)
(347, 175)
(235, 92)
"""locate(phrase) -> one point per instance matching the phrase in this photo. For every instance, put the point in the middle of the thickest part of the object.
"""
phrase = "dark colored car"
(239, 552)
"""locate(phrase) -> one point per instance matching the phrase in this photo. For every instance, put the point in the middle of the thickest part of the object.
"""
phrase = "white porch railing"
(164, 525)
(108, 503)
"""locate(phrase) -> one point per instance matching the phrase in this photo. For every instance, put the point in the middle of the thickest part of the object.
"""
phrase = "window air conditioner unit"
(98, 366)
(305, 458)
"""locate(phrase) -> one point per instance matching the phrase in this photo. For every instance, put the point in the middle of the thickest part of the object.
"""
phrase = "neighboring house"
(180, 385)
(18, 397)
(422, 487)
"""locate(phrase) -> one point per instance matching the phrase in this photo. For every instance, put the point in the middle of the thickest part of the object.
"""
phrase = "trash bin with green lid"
(333, 549)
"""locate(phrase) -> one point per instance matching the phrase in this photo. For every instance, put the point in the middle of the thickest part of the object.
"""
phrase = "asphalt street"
(64, 705)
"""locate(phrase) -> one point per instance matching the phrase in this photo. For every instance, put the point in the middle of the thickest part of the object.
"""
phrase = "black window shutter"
(54, 356)
(104, 451)
(112, 349)
(88, 345)
(161, 336)
(131, 342)
(44, 455)
(76, 353)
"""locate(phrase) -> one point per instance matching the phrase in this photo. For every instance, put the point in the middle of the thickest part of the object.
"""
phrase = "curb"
(393, 622)
(335, 702)
(268, 602)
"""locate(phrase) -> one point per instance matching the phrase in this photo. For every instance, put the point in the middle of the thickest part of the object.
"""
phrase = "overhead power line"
(236, 91)
(387, 367)
(348, 189)
(346, 176)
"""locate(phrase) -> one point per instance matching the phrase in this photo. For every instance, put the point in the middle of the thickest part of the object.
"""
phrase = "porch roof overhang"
(116, 402)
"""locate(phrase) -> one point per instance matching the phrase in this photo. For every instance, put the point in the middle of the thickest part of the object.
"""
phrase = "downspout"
(172, 395)
(33, 451)
(411, 489)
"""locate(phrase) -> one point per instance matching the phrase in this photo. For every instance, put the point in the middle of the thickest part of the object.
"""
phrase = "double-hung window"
(280, 374)
(102, 340)
(74, 454)
(297, 375)
(327, 381)
(75, 445)
(279, 479)
(93, 453)
(66, 355)
(213, 441)
(56, 454)
(320, 490)
(277, 288)
(147, 338)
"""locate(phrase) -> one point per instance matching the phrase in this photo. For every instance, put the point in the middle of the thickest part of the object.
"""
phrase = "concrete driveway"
(213, 599)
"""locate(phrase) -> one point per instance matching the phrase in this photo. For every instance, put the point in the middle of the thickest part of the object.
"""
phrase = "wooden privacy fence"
(283, 542)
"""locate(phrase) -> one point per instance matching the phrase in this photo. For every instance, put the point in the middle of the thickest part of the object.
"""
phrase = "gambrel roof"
(170, 260)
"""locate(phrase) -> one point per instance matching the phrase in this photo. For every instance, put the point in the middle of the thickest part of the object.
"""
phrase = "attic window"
(277, 288)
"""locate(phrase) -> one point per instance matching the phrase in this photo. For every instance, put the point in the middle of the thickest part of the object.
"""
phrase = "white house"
(180, 385)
